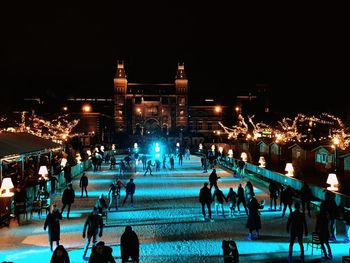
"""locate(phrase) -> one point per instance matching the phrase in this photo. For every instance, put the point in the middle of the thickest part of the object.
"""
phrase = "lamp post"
(334, 146)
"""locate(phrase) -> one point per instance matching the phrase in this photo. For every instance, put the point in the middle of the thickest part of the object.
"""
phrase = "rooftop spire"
(120, 70)
(181, 74)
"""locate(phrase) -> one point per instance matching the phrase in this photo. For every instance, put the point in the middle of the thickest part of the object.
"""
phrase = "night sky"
(55, 51)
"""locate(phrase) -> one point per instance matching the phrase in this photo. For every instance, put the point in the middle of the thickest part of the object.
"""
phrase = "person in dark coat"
(53, 179)
(101, 204)
(60, 255)
(287, 199)
(84, 182)
(205, 199)
(297, 226)
(172, 163)
(322, 229)
(306, 196)
(231, 197)
(113, 162)
(230, 251)
(219, 198)
(241, 199)
(253, 221)
(112, 195)
(101, 254)
(149, 168)
(93, 226)
(129, 245)
(53, 224)
(130, 190)
(68, 198)
(333, 211)
(213, 178)
(249, 190)
(180, 158)
(274, 192)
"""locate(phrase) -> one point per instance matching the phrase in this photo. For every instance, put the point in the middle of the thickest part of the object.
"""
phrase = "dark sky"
(299, 51)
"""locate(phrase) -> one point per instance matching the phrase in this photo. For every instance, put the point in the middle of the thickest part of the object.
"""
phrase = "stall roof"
(23, 143)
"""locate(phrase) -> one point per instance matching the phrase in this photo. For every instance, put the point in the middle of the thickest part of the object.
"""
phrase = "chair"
(314, 242)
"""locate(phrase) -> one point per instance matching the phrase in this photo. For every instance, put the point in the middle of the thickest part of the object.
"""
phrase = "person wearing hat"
(205, 199)
(101, 254)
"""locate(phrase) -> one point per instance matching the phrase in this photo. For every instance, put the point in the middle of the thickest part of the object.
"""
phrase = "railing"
(296, 184)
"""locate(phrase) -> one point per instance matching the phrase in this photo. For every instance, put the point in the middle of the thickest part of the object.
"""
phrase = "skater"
(53, 224)
(273, 188)
(323, 232)
(180, 158)
(287, 199)
(130, 190)
(218, 198)
(67, 174)
(249, 190)
(101, 254)
(113, 162)
(93, 226)
(205, 165)
(84, 182)
(297, 225)
(144, 162)
(230, 251)
(101, 204)
(60, 255)
(164, 161)
(306, 196)
(231, 197)
(241, 199)
(112, 196)
(205, 199)
(122, 168)
(213, 178)
(331, 207)
(254, 221)
(149, 164)
(68, 199)
(129, 245)
(172, 163)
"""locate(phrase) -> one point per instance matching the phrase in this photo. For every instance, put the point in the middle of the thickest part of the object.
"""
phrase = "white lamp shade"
(136, 145)
(289, 167)
(177, 144)
(230, 153)
(102, 148)
(332, 179)
(221, 149)
(200, 146)
(88, 152)
(244, 156)
(7, 185)
(43, 170)
(213, 147)
(63, 162)
(262, 161)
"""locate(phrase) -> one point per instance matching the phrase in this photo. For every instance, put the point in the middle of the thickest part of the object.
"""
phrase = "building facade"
(150, 108)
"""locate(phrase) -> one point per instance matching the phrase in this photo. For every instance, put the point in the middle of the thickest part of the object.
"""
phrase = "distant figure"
(219, 198)
(149, 168)
(93, 226)
(331, 207)
(249, 190)
(164, 161)
(60, 255)
(241, 199)
(122, 168)
(84, 182)
(112, 195)
(101, 204)
(254, 221)
(53, 224)
(113, 162)
(231, 197)
(68, 198)
(101, 254)
(297, 225)
(323, 232)
(20, 202)
(67, 174)
(188, 154)
(287, 199)
(129, 245)
(213, 178)
(180, 158)
(230, 251)
(306, 196)
(144, 161)
(205, 199)
(274, 192)
(130, 190)
(172, 163)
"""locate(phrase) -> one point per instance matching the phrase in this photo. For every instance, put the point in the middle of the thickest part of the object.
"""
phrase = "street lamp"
(336, 142)
(87, 108)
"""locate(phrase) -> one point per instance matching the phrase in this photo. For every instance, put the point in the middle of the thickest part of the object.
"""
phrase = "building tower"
(120, 89)
(181, 85)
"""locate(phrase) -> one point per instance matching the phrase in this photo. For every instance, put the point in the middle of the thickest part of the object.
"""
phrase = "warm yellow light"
(289, 169)
(237, 109)
(230, 153)
(221, 149)
(65, 108)
(336, 141)
(213, 147)
(244, 157)
(138, 110)
(200, 146)
(87, 108)
(248, 136)
(333, 181)
(217, 109)
(219, 132)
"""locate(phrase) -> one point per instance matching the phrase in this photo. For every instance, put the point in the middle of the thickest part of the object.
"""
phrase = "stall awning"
(20, 143)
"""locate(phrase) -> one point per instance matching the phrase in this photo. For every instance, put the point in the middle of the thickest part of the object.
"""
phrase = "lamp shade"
(333, 181)
(43, 170)
(230, 153)
(262, 161)
(136, 145)
(200, 146)
(6, 185)
(63, 162)
(289, 169)
(220, 149)
(213, 147)
(244, 156)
